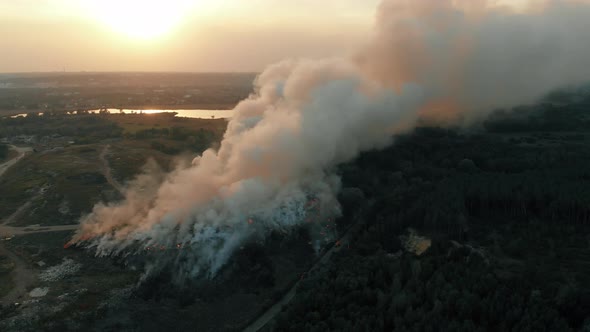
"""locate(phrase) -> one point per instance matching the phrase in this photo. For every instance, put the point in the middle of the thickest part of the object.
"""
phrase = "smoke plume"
(434, 60)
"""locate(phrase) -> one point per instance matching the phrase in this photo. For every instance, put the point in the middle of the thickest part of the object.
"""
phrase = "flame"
(81, 238)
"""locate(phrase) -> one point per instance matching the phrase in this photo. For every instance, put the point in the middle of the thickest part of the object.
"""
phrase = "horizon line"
(128, 72)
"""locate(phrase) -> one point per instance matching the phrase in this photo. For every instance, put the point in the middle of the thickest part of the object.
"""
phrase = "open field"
(52, 187)
(62, 185)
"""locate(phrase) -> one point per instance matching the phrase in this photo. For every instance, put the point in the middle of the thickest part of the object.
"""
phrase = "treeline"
(91, 127)
(439, 179)
(560, 111)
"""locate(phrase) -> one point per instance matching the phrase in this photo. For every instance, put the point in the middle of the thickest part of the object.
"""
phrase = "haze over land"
(181, 35)
(204, 36)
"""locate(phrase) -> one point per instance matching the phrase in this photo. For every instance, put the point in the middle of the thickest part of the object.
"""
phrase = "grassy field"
(18, 185)
(65, 184)
(132, 123)
(127, 157)
(62, 184)
(11, 154)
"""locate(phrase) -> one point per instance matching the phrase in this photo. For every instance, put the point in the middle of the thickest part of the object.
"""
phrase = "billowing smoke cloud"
(438, 60)
(473, 57)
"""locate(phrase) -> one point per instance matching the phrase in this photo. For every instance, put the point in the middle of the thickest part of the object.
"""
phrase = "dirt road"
(106, 169)
(18, 213)
(21, 153)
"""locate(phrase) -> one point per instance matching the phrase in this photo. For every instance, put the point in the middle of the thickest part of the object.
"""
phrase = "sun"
(141, 19)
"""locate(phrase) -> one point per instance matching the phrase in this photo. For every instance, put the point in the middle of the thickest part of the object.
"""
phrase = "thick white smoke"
(439, 60)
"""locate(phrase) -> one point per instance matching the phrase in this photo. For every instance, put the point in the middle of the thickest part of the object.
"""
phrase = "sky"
(176, 35)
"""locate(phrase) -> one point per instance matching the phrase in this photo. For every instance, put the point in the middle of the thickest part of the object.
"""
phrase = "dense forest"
(507, 207)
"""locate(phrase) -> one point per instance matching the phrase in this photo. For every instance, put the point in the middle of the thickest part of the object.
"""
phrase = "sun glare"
(141, 19)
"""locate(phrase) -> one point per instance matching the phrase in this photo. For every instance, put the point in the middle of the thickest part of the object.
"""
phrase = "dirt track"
(106, 169)
(21, 153)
